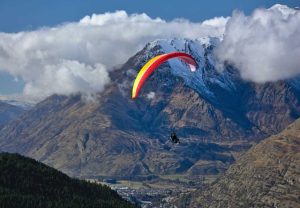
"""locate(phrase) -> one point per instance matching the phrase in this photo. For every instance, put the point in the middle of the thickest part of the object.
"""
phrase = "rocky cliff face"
(216, 115)
(268, 175)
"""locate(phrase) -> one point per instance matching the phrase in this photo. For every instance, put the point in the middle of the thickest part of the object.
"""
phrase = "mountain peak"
(206, 76)
(182, 44)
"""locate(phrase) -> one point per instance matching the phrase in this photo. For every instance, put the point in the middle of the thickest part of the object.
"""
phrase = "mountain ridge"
(9, 112)
(268, 175)
(115, 136)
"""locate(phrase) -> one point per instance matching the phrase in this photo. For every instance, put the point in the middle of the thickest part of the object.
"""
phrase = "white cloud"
(218, 22)
(264, 46)
(76, 56)
(68, 77)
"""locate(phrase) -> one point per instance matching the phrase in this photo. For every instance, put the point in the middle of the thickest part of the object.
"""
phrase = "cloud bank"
(264, 46)
(76, 57)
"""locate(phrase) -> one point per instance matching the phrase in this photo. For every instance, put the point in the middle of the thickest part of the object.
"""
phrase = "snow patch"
(151, 95)
(205, 75)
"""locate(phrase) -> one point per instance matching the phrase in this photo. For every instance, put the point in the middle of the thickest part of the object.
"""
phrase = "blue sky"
(20, 15)
(16, 15)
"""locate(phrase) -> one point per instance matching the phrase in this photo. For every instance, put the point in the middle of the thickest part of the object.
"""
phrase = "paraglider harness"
(174, 138)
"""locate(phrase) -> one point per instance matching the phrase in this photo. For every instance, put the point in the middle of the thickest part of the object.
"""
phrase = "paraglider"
(153, 63)
(174, 138)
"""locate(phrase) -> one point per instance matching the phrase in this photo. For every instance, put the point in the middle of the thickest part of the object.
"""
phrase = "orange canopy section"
(153, 63)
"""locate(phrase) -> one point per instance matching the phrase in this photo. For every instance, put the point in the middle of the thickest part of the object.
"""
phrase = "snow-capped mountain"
(206, 77)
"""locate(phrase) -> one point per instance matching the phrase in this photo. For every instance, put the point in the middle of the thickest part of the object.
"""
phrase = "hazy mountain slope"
(9, 112)
(216, 115)
(268, 175)
(25, 183)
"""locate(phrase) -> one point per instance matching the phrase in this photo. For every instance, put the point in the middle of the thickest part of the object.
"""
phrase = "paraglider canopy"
(153, 63)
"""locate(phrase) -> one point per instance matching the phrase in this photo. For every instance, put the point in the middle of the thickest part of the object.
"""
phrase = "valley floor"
(159, 192)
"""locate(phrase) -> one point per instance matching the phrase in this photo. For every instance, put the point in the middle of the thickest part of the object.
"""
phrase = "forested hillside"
(26, 183)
